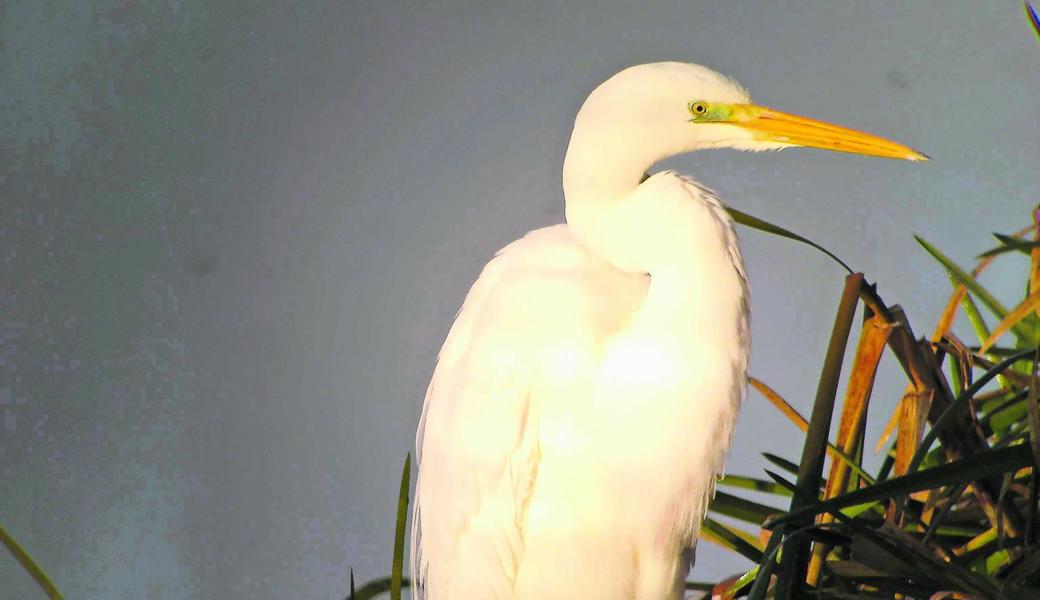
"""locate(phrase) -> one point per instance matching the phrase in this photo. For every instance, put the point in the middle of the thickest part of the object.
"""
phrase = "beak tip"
(917, 156)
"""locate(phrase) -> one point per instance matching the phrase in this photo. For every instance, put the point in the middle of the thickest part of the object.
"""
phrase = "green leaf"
(995, 251)
(960, 404)
(397, 571)
(375, 588)
(858, 509)
(741, 509)
(791, 487)
(964, 278)
(996, 561)
(794, 567)
(700, 586)
(955, 531)
(783, 463)
(1024, 313)
(731, 540)
(989, 410)
(743, 580)
(998, 351)
(755, 223)
(850, 463)
(1004, 419)
(1033, 414)
(972, 468)
(896, 552)
(1009, 244)
(750, 483)
(30, 565)
(772, 553)
(396, 581)
(886, 465)
(971, 310)
(1034, 20)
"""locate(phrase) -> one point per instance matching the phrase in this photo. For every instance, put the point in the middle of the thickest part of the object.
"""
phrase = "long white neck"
(666, 226)
(679, 367)
(635, 225)
(677, 232)
(608, 156)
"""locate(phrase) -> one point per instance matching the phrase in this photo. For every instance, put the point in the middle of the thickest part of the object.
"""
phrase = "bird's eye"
(698, 108)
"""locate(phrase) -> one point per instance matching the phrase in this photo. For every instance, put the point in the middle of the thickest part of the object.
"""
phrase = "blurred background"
(234, 234)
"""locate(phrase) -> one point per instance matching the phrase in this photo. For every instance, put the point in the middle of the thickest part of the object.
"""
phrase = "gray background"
(233, 236)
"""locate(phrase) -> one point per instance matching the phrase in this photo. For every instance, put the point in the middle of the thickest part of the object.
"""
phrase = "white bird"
(586, 395)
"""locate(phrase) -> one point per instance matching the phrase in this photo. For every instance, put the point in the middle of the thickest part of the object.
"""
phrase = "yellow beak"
(772, 125)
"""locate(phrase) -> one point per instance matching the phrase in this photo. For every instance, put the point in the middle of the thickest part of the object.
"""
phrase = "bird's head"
(649, 112)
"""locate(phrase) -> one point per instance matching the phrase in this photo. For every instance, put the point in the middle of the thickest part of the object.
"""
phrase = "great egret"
(586, 394)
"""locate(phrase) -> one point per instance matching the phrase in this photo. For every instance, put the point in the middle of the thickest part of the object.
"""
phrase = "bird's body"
(550, 360)
(587, 392)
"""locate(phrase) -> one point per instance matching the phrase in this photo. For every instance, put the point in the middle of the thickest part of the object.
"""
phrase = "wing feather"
(477, 440)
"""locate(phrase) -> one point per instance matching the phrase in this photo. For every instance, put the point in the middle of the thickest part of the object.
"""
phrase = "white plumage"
(587, 392)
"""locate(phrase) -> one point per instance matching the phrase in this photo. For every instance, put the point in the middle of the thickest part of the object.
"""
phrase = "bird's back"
(524, 345)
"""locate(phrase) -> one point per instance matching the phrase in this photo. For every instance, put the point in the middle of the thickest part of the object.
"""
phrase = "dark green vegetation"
(952, 512)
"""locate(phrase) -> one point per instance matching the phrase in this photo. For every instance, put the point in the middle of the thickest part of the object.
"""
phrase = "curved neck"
(606, 161)
(598, 169)
(638, 226)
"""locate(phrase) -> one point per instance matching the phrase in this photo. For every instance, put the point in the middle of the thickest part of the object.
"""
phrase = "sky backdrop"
(234, 234)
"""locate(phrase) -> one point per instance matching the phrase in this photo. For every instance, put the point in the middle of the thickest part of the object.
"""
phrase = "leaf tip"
(1034, 20)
